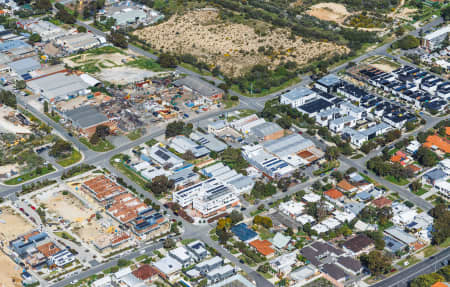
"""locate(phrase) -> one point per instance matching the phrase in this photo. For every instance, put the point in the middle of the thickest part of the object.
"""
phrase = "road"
(429, 265)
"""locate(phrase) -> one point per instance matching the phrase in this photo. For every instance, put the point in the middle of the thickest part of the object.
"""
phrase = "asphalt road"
(429, 265)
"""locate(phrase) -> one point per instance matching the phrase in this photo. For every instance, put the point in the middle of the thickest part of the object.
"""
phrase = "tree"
(21, 84)
(122, 262)
(406, 43)
(426, 280)
(81, 29)
(236, 217)
(284, 123)
(7, 98)
(178, 128)
(426, 157)
(95, 139)
(43, 5)
(223, 235)
(35, 38)
(160, 185)
(102, 131)
(188, 155)
(415, 185)
(117, 38)
(60, 148)
(377, 262)
(261, 190)
(169, 243)
(45, 107)
(263, 220)
(337, 175)
(234, 159)
(445, 13)
(167, 60)
(441, 226)
(284, 183)
(64, 16)
(332, 153)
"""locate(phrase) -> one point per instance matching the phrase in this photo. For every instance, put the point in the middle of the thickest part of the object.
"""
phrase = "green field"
(134, 135)
(73, 158)
(102, 146)
(392, 179)
(29, 176)
(146, 64)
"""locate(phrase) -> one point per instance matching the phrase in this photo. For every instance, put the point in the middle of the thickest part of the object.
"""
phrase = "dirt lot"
(233, 47)
(67, 206)
(125, 75)
(14, 225)
(9, 272)
(329, 12)
(100, 61)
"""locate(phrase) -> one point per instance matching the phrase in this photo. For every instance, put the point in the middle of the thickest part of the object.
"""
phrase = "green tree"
(332, 153)
(43, 5)
(45, 107)
(167, 60)
(102, 131)
(426, 280)
(377, 262)
(169, 243)
(160, 185)
(406, 43)
(445, 12)
(60, 148)
(236, 217)
(415, 185)
(118, 38)
(35, 38)
(81, 29)
(426, 157)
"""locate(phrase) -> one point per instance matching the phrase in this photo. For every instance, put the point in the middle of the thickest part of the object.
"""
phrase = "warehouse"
(59, 86)
(199, 86)
(24, 66)
(80, 41)
(87, 118)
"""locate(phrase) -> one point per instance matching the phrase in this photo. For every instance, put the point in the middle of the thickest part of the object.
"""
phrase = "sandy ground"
(233, 47)
(4, 169)
(103, 60)
(384, 67)
(124, 75)
(9, 272)
(14, 225)
(329, 12)
(8, 126)
(404, 13)
(67, 206)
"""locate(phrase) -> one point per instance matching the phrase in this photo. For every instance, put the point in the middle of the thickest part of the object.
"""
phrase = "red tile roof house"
(264, 247)
(382, 202)
(334, 195)
(146, 273)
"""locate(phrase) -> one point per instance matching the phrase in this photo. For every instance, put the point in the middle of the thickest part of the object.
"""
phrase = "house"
(168, 268)
(204, 267)
(354, 207)
(393, 245)
(283, 264)
(433, 176)
(198, 249)
(350, 265)
(146, 272)
(244, 233)
(413, 147)
(320, 252)
(382, 202)
(334, 272)
(292, 208)
(280, 241)
(235, 280)
(305, 275)
(220, 273)
(436, 142)
(398, 234)
(328, 84)
(358, 245)
(182, 255)
(443, 188)
(346, 186)
(334, 195)
(264, 247)
(311, 197)
(297, 97)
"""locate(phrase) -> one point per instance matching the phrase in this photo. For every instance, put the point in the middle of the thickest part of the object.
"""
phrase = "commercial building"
(164, 157)
(297, 97)
(200, 87)
(244, 233)
(48, 31)
(79, 42)
(237, 182)
(58, 87)
(86, 119)
(207, 198)
(267, 163)
(434, 39)
(208, 141)
(24, 66)
(182, 144)
(267, 131)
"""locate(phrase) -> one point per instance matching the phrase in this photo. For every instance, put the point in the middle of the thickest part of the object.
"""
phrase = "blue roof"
(435, 174)
(8, 45)
(392, 244)
(364, 195)
(243, 232)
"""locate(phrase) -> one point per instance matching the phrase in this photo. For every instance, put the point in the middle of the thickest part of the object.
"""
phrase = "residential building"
(382, 202)
(433, 176)
(393, 245)
(220, 273)
(437, 143)
(235, 280)
(334, 272)
(182, 255)
(334, 195)
(284, 263)
(62, 258)
(305, 275)
(198, 249)
(148, 223)
(264, 247)
(358, 245)
(280, 241)
(244, 233)
(398, 234)
(146, 272)
(328, 84)
(443, 188)
(292, 208)
(168, 268)
(103, 189)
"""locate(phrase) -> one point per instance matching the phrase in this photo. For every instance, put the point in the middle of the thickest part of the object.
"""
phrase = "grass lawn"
(256, 212)
(421, 191)
(73, 158)
(55, 117)
(392, 179)
(265, 233)
(195, 69)
(366, 177)
(101, 146)
(411, 261)
(430, 250)
(66, 235)
(151, 142)
(328, 166)
(266, 275)
(445, 244)
(105, 50)
(128, 172)
(357, 156)
(146, 64)
(187, 241)
(134, 135)
(246, 112)
(28, 176)
(228, 104)
(269, 91)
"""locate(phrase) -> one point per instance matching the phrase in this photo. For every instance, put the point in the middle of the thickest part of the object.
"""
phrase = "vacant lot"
(329, 12)
(65, 205)
(12, 224)
(232, 46)
(10, 272)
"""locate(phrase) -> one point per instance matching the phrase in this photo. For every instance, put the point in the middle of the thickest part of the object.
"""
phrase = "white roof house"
(168, 266)
(311, 197)
(292, 208)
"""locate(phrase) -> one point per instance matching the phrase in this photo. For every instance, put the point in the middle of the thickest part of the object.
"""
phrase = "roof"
(266, 129)
(243, 232)
(58, 85)
(435, 174)
(329, 80)
(288, 145)
(298, 93)
(440, 284)
(382, 202)
(358, 243)
(262, 246)
(168, 265)
(345, 185)
(334, 271)
(280, 240)
(350, 263)
(25, 65)
(333, 193)
(198, 85)
(8, 45)
(315, 106)
(86, 116)
(437, 33)
(401, 235)
(437, 141)
(303, 273)
(145, 271)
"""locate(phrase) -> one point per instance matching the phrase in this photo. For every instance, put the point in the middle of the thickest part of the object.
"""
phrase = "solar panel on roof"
(162, 155)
